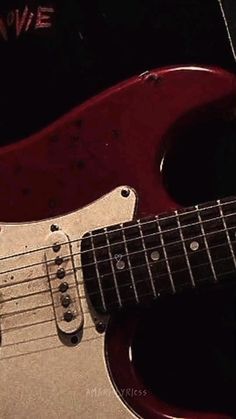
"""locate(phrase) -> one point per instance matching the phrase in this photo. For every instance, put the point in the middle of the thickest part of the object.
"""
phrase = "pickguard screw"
(100, 327)
(68, 316)
(125, 193)
(66, 301)
(54, 227)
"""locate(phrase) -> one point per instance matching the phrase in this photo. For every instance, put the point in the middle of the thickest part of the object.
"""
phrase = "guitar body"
(120, 137)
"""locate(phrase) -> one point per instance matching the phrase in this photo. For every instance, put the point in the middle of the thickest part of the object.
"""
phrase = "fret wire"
(226, 232)
(168, 244)
(112, 267)
(129, 263)
(207, 278)
(185, 250)
(146, 258)
(97, 272)
(168, 230)
(174, 272)
(205, 241)
(165, 254)
(153, 248)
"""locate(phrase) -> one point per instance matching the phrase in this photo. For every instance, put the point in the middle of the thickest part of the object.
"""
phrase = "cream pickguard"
(43, 374)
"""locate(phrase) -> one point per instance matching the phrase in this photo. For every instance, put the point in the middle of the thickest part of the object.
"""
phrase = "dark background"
(93, 44)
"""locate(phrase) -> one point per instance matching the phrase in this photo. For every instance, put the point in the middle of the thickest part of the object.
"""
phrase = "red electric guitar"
(74, 342)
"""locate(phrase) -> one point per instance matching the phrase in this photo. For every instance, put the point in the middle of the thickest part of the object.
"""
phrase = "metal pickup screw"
(58, 260)
(56, 247)
(61, 273)
(68, 316)
(66, 300)
(63, 287)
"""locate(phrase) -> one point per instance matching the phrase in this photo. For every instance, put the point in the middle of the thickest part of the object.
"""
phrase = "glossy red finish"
(117, 138)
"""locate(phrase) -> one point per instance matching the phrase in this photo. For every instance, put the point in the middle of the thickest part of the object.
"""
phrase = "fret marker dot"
(194, 246)
(120, 264)
(155, 256)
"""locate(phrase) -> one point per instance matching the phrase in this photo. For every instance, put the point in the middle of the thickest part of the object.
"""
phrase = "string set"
(55, 335)
(45, 262)
(71, 271)
(124, 228)
(110, 259)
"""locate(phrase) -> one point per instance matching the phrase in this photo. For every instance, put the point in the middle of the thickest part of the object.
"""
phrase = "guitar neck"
(228, 9)
(138, 261)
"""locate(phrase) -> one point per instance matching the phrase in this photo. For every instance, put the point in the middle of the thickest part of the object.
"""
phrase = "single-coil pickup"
(62, 279)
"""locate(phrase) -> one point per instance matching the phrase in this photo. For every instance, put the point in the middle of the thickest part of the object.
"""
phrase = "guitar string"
(68, 256)
(218, 275)
(108, 274)
(84, 297)
(156, 234)
(167, 217)
(32, 294)
(45, 349)
(55, 335)
(38, 338)
(17, 312)
(52, 320)
(41, 322)
(151, 294)
(29, 325)
(23, 326)
(111, 303)
(80, 267)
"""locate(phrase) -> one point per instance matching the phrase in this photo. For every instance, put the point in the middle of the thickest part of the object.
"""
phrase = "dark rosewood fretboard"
(138, 261)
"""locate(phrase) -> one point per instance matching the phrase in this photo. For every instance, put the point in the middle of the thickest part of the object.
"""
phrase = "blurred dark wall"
(90, 45)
